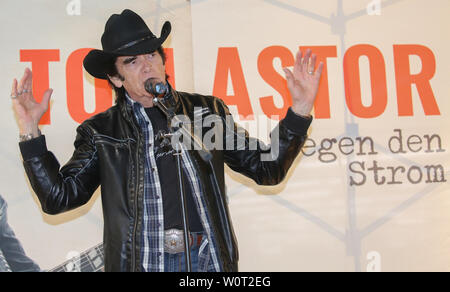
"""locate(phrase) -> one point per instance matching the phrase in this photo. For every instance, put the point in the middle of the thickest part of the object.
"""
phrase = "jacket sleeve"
(60, 190)
(265, 164)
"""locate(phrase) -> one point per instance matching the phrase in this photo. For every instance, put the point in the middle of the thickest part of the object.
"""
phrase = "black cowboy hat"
(125, 35)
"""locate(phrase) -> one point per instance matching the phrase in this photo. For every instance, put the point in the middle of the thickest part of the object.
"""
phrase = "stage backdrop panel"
(370, 191)
(55, 35)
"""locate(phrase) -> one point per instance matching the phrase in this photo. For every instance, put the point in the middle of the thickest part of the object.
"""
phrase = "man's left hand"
(303, 83)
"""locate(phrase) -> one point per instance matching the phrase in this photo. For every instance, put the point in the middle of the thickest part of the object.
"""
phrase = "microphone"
(160, 92)
(156, 89)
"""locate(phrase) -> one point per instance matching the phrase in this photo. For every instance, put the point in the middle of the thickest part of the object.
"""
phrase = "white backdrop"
(360, 198)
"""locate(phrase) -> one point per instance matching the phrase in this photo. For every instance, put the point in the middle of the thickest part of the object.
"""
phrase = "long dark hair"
(111, 70)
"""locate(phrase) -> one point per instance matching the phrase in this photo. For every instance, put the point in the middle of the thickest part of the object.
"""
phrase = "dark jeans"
(177, 262)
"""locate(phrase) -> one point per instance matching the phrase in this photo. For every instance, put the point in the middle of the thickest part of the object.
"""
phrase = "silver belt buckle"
(173, 241)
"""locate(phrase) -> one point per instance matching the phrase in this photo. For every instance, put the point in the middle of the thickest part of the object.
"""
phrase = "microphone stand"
(204, 154)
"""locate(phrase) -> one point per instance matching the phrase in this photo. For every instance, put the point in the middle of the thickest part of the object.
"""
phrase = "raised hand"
(28, 111)
(303, 83)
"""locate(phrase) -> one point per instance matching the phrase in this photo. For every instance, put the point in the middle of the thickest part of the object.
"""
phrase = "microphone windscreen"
(155, 89)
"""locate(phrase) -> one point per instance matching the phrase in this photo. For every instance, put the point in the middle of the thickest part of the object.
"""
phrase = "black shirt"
(167, 170)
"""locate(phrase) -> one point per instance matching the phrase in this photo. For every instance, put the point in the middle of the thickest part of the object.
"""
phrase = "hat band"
(130, 44)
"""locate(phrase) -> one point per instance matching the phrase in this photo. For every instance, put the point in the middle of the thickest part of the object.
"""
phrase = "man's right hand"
(28, 111)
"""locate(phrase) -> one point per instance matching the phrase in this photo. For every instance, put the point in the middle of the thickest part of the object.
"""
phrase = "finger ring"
(25, 91)
(311, 73)
(13, 96)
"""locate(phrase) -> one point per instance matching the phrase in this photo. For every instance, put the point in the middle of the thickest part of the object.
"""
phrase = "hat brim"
(96, 61)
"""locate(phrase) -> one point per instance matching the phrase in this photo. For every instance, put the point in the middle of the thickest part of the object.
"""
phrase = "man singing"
(121, 151)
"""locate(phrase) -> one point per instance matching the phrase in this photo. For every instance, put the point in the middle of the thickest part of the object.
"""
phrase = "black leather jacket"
(109, 151)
